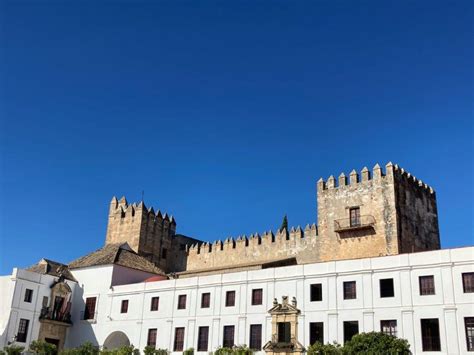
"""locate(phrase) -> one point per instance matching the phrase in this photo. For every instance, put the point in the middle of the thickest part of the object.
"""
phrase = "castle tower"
(375, 214)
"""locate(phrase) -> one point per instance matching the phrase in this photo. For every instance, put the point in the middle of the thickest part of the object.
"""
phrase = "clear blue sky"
(225, 113)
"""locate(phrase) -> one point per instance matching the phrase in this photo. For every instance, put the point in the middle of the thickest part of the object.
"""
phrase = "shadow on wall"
(82, 330)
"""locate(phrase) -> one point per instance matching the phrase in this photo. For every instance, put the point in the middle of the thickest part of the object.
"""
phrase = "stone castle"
(374, 213)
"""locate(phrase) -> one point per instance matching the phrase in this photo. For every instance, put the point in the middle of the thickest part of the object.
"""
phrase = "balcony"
(354, 224)
(47, 314)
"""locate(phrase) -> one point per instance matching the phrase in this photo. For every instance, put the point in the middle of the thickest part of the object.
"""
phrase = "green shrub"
(150, 350)
(376, 343)
(223, 351)
(85, 349)
(124, 350)
(13, 350)
(42, 347)
(242, 350)
(325, 349)
(189, 351)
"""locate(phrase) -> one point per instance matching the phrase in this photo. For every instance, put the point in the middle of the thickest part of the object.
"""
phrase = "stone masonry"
(373, 213)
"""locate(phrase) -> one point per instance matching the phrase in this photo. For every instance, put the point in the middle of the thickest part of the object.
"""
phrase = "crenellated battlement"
(125, 210)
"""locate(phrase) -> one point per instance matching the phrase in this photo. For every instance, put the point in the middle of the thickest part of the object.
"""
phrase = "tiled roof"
(118, 254)
(53, 268)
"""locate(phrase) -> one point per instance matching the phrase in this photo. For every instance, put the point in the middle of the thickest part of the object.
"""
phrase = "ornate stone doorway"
(284, 328)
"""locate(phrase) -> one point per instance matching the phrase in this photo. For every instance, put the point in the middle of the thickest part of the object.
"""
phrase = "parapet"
(125, 210)
(366, 175)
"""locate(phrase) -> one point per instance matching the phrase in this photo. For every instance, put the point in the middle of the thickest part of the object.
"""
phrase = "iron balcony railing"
(50, 314)
(360, 222)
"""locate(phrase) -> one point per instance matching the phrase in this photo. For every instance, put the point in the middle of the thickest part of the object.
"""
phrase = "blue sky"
(224, 113)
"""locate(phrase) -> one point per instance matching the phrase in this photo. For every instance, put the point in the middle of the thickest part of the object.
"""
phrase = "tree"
(325, 349)
(42, 347)
(85, 349)
(13, 349)
(376, 343)
(284, 224)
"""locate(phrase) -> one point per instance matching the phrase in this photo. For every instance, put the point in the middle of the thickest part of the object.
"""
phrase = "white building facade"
(426, 298)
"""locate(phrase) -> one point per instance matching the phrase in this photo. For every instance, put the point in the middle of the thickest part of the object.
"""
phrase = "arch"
(116, 340)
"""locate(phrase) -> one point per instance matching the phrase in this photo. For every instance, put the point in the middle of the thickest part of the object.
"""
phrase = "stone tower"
(375, 214)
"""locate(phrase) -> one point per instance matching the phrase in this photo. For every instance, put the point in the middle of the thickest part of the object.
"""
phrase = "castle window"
(351, 328)
(124, 306)
(316, 292)
(28, 295)
(228, 336)
(469, 327)
(205, 300)
(255, 337)
(427, 286)
(230, 299)
(350, 291)
(468, 282)
(284, 332)
(178, 339)
(22, 330)
(430, 335)
(164, 253)
(203, 339)
(182, 302)
(155, 303)
(257, 296)
(89, 311)
(389, 327)
(386, 288)
(354, 214)
(151, 340)
(316, 332)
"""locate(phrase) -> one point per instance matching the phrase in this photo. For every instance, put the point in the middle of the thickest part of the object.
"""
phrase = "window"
(427, 286)
(469, 326)
(468, 282)
(22, 330)
(316, 333)
(257, 296)
(155, 303)
(350, 292)
(151, 340)
(386, 288)
(178, 339)
(182, 302)
(228, 336)
(256, 337)
(284, 332)
(205, 300)
(203, 338)
(230, 299)
(164, 253)
(316, 292)
(89, 311)
(28, 295)
(351, 328)
(124, 306)
(45, 301)
(430, 335)
(354, 214)
(389, 327)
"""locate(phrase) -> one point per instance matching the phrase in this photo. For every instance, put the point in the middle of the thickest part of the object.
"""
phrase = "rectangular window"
(427, 286)
(89, 311)
(468, 282)
(155, 303)
(230, 299)
(182, 302)
(151, 340)
(350, 291)
(430, 335)
(469, 327)
(316, 333)
(316, 292)
(256, 337)
(164, 253)
(124, 306)
(351, 328)
(284, 332)
(28, 295)
(205, 300)
(228, 336)
(354, 214)
(203, 338)
(386, 288)
(178, 339)
(22, 330)
(45, 301)
(389, 327)
(257, 296)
